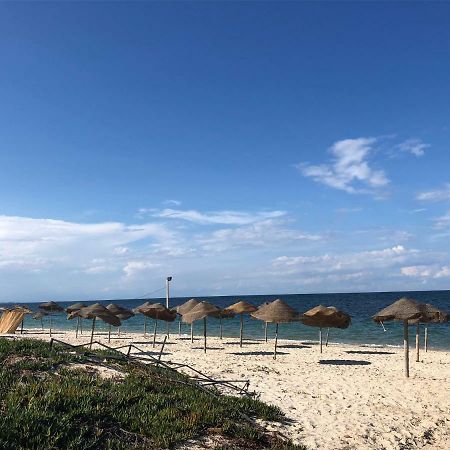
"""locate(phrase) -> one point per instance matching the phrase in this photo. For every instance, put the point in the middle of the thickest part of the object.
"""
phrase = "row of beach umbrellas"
(406, 310)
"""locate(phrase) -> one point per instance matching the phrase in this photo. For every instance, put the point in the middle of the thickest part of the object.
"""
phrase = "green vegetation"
(47, 404)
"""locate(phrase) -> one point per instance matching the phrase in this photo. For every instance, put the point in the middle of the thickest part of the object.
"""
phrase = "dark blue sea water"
(360, 306)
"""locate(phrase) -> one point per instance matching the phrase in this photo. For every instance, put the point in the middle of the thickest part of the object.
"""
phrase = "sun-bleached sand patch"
(349, 397)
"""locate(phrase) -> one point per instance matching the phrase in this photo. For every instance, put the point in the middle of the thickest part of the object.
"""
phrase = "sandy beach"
(350, 397)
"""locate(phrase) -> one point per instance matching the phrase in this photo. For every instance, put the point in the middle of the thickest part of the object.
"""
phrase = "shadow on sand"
(207, 348)
(294, 346)
(344, 362)
(244, 342)
(262, 353)
(369, 352)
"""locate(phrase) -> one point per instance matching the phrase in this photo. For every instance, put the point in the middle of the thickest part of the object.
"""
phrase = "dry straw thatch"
(202, 311)
(241, 308)
(94, 312)
(276, 312)
(325, 317)
(157, 311)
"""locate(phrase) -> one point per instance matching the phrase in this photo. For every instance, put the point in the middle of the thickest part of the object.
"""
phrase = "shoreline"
(349, 397)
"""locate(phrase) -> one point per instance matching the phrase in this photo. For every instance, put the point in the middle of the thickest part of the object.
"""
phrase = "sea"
(360, 306)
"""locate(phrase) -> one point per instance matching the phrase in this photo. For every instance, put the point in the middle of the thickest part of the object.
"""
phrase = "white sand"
(350, 397)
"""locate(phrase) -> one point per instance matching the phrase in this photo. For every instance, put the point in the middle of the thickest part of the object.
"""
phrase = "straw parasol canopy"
(39, 316)
(276, 312)
(405, 310)
(157, 311)
(431, 314)
(50, 307)
(183, 309)
(139, 309)
(202, 311)
(241, 308)
(326, 317)
(94, 312)
(73, 308)
(121, 313)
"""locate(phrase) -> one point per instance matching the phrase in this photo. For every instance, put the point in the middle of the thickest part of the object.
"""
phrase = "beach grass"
(52, 399)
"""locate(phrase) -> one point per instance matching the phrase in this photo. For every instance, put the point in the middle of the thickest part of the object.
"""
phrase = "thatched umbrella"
(120, 312)
(73, 308)
(325, 317)
(94, 312)
(25, 310)
(50, 307)
(403, 310)
(185, 308)
(39, 316)
(276, 312)
(157, 311)
(431, 314)
(199, 312)
(224, 314)
(241, 308)
(138, 310)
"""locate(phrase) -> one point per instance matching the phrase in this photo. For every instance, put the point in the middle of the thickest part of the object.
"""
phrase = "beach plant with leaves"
(54, 399)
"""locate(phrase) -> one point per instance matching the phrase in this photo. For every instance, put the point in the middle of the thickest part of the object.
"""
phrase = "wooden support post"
(154, 333)
(204, 331)
(92, 333)
(406, 346)
(78, 324)
(265, 331)
(276, 342)
(192, 332)
(426, 339)
(241, 331)
(109, 334)
(320, 339)
(328, 334)
(417, 342)
(221, 328)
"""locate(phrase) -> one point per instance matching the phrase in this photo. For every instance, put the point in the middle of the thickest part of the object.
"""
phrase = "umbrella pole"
(21, 327)
(145, 326)
(241, 331)
(192, 332)
(179, 327)
(417, 342)
(406, 346)
(109, 334)
(221, 328)
(42, 324)
(320, 339)
(204, 330)
(426, 339)
(76, 330)
(276, 342)
(154, 332)
(328, 333)
(81, 326)
(168, 330)
(265, 331)
(118, 331)
(50, 331)
(92, 333)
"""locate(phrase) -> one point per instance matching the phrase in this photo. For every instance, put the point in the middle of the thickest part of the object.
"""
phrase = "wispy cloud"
(426, 271)
(217, 217)
(172, 202)
(436, 195)
(349, 168)
(413, 146)
(442, 221)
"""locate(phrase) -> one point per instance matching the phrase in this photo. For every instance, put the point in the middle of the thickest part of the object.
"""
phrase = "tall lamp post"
(168, 280)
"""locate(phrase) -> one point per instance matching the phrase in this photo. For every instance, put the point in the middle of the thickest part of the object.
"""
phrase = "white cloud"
(437, 195)
(137, 268)
(172, 202)
(349, 168)
(442, 221)
(260, 234)
(218, 217)
(414, 146)
(426, 271)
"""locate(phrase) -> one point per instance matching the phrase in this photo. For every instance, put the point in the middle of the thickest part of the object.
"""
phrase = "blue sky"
(240, 147)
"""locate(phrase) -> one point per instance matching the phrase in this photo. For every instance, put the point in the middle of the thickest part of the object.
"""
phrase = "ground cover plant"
(54, 399)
